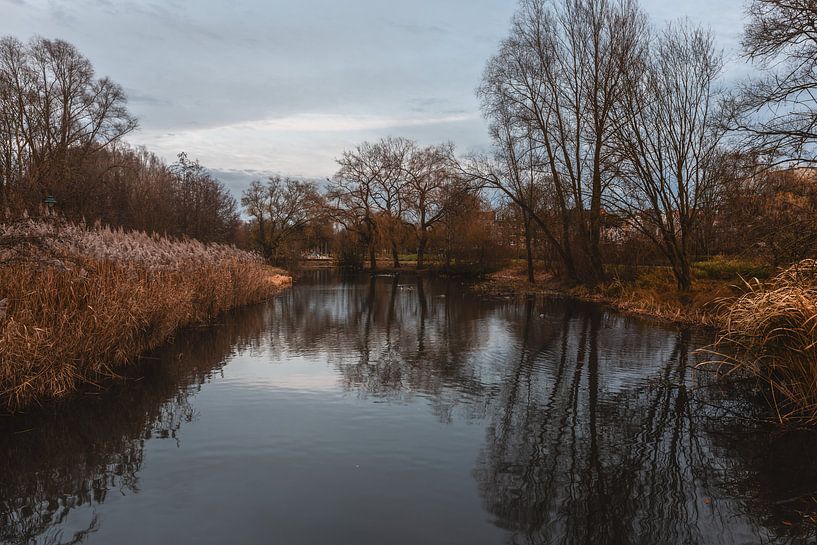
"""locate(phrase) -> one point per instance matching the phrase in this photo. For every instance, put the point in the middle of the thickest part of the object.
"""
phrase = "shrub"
(349, 251)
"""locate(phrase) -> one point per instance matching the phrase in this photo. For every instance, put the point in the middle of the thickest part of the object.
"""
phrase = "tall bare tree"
(428, 174)
(519, 172)
(667, 142)
(390, 154)
(351, 195)
(559, 76)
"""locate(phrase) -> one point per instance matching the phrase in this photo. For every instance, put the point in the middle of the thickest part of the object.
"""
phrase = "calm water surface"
(390, 410)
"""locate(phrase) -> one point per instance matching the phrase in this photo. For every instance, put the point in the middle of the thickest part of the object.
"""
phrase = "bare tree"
(428, 173)
(517, 171)
(390, 154)
(667, 141)
(55, 115)
(281, 209)
(777, 113)
(351, 195)
(254, 201)
(559, 76)
(14, 80)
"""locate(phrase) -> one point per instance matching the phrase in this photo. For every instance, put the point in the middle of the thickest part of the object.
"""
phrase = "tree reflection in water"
(69, 458)
(597, 430)
(394, 338)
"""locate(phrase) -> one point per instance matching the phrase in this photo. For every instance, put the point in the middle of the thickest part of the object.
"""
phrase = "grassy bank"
(651, 293)
(77, 303)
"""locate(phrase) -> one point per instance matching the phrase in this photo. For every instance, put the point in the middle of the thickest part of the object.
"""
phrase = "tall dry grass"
(76, 302)
(771, 332)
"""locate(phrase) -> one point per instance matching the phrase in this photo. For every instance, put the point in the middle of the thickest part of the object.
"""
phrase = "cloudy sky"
(251, 87)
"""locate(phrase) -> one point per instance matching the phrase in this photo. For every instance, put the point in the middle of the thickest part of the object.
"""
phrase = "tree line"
(391, 197)
(600, 120)
(61, 136)
(615, 143)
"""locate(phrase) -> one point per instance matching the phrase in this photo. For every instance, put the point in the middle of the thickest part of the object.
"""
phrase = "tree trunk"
(594, 251)
(567, 254)
(683, 274)
(395, 257)
(596, 264)
(421, 250)
(529, 250)
(372, 256)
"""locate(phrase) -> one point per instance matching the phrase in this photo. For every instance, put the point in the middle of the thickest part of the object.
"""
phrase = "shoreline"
(705, 313)
(512, 281)
(133, 369)
(79, 304)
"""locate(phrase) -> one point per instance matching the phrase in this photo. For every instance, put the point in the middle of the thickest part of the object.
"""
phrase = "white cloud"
(238, 84)
(302, 123)
(300, 145)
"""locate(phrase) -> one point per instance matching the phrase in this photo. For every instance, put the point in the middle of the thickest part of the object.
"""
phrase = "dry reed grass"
(771, 333)
(77, 303)
(657, 295)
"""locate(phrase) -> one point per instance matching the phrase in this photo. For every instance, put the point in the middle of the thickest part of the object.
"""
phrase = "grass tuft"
(771, 332)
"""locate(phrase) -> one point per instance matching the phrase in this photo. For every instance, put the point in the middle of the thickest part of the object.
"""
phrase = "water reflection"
(594, 428)
(392, 338)
(71, 458)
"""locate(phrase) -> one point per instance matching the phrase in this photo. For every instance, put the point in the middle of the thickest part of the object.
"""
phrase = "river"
(402, 410)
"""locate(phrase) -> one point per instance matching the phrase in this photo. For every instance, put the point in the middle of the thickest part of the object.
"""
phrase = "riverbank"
(767, 327)
(652, 295)
(76, 303)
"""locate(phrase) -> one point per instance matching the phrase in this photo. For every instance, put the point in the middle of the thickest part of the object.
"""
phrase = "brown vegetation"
(771, 332)
(77, 303)
(653, 293)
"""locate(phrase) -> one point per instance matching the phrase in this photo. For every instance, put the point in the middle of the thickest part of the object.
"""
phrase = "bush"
(349, 251)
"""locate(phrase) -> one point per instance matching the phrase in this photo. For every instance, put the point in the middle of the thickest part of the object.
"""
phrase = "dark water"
(403, 411)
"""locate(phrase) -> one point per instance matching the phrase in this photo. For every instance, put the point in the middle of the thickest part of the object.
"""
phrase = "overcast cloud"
(254, 87)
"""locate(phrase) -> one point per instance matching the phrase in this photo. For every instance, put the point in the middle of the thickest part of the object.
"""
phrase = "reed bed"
(771, 332)
(77, 303)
